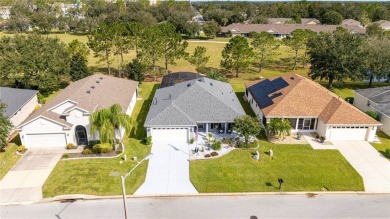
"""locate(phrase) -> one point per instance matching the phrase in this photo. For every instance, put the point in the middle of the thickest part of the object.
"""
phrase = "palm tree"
(108, 121)
(279, 127)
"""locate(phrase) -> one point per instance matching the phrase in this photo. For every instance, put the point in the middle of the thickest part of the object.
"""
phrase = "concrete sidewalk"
(23, 183)
(368, 162)
(168, 170)
(315, 144)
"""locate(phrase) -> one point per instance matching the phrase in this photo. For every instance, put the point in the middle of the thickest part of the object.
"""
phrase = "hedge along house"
(309, 107)
(66, 118)
(200, 105)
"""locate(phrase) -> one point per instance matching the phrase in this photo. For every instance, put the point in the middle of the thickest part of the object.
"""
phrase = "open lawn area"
(301, 168)
(8, 159)
(384, 146)
(102, 176)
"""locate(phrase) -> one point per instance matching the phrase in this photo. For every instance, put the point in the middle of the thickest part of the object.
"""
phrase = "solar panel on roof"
(279, 83)
(268, 86)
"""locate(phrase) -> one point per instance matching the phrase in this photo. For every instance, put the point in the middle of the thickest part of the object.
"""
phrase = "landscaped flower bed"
(98, 150)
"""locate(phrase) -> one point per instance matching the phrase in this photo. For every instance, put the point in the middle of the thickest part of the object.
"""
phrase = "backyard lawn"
(384, 146)
(301, 168)
(102, 176)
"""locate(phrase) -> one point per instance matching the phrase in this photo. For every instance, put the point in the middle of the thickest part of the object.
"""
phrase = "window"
(252, 101)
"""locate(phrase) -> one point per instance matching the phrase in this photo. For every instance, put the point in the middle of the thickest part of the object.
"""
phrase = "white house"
(65, 119)
(20, 103)
(5, 12)
(309, 107)
(377, 100)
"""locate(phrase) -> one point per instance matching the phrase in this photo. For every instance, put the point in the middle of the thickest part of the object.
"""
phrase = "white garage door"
(356, 133)
(170, 134)
(46, 140)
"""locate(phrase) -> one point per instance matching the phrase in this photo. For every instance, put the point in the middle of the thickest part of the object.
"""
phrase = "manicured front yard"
(301, 168)
(384, 146)
(102, 176)
(8, 158)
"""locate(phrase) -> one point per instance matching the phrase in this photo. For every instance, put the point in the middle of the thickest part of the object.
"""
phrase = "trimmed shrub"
(87, 151)
(93, 142)
(148, 140)
(213, 154)
(70, 146)
(102, 148)
(192, 140)
(242, 144)
(207, 155)
(65, 156)
(21, 148)
(216, 145)
(119, 152)
(374, 115)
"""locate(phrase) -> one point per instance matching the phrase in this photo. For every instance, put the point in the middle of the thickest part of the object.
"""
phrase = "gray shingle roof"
(195, 101)
(15, 99)
(379, 98)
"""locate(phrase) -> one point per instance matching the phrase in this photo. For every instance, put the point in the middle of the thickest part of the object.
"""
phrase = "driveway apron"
(168, 170)
(368, 162)
(23, 183)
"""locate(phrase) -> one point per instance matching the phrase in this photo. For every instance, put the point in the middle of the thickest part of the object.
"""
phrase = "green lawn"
(92, 176)
(8, 158)
(384, 146)
(301, 168)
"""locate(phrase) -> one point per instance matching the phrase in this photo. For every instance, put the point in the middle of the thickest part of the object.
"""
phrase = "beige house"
(65, 119)
(309, 107)
(20, 103)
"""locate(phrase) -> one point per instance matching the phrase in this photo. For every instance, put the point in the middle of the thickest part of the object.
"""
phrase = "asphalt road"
(253, 206)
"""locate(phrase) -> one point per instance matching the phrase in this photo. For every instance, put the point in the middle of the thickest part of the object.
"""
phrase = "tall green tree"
(264, 45)
(135, 33)
(75, 47)
(336, 56)
(33, 61)
(100, 41)
(174, 47)
(78, 67)
(199, 58)
(378, 57)
(216, 75)
(279, 127)
(121, 43)
(5, 127)
(108, 123)
(152, 47)
(331, 17)
(237, 54)
(374, 29)
(135, 71)
(192, 28)
(211, 29)
(247, 126)
(298, 42)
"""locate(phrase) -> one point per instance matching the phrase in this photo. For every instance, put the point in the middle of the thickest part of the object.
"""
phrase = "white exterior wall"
(371, 133)
(385, 124)
(43, 126)
(322, 129)
(255, 108)
(24, 112)
(79, 117)
(132, 104)
(61, 108)
(361, 103)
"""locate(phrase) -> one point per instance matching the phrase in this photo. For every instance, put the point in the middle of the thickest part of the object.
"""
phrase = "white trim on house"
(66, 101)
(40, 117)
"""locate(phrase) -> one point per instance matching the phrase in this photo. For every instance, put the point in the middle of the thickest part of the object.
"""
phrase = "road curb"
(76, 197)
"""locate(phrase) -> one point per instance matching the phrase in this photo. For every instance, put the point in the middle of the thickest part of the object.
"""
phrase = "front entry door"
(81, 135)
(306, 124)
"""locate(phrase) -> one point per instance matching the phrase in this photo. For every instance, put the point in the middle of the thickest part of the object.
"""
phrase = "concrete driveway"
(368, 162)
(168, 170)
(23, 183)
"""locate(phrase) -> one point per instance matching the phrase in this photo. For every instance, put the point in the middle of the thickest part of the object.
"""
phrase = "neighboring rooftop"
(15, 99)
(195, 101)
(92, 93)
(310, 21)
(351, 22)
(384, 24)
(293, 95)
(379, 98)
(286, 28)
(177, 77)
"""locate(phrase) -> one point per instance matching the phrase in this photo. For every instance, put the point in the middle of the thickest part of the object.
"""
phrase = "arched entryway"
(81, 135)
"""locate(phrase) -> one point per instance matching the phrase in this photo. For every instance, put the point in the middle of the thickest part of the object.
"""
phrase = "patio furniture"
(220, 131)
(229, 131)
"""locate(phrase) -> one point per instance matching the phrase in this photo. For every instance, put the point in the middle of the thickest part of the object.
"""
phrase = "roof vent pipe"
(97, 82)
(101, 78)
(170, 96)
(88, 91)
(155, 101)
(189, 85)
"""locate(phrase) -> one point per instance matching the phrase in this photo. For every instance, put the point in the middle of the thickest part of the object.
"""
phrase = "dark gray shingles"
(15, 99)
(199, 100)
(379, 97)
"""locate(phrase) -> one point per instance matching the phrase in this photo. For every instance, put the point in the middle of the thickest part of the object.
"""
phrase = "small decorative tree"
(247, 126)
(279, 127)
